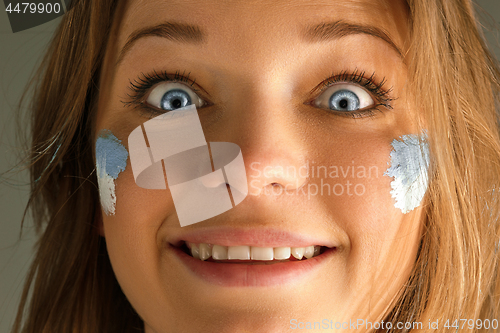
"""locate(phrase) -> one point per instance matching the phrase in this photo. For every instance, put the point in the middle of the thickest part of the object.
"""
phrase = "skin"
(257, 73)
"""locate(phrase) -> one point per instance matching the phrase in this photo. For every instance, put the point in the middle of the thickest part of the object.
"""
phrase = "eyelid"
(357, 77)
(142, 86)
(381, 96)
(322, 87)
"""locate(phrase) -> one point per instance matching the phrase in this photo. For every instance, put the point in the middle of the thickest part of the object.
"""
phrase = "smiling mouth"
(252, 255)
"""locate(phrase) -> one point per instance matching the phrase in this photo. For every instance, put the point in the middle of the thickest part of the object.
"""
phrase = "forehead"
(217, 13)
(254, 22)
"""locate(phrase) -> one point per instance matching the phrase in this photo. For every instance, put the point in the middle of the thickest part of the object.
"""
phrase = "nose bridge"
(270, 136)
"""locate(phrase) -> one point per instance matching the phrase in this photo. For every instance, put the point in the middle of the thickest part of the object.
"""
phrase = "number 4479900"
(31, 7)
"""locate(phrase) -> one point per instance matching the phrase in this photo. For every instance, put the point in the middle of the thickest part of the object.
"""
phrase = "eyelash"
(382, 96)
(144, 82)
(140, 87)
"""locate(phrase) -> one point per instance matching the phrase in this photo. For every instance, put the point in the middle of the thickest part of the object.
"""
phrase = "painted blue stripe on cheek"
(111, 155)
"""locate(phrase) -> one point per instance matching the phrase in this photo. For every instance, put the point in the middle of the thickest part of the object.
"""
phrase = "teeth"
(281, 252)
(262, 253)
(219, 252)
(238, 252)
(309, 252)
(203, 251)
(195, 251)
(298, 252)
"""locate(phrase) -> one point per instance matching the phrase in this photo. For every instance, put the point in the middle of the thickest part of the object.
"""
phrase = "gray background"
(19, 55)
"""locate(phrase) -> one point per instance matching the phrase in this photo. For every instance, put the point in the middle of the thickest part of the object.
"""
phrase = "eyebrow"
(193, 34)
(177, 32)
(334, 30)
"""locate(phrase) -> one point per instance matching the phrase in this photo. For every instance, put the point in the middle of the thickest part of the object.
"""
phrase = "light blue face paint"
(409, 167)
(111, 159)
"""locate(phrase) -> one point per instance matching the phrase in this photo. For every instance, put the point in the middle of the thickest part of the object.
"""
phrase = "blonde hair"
(456, 83)
(454, 80)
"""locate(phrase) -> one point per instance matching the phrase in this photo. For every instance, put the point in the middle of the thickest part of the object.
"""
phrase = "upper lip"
(259, 237)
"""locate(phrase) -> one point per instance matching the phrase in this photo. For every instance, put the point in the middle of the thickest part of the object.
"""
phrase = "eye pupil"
(176, 103)
(343, 103)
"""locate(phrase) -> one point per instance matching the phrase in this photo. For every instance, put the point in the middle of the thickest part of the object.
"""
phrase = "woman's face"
(290, 82)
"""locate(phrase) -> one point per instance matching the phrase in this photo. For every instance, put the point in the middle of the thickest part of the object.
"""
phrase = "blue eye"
(174, 99)
(169, 96)
(344, 98)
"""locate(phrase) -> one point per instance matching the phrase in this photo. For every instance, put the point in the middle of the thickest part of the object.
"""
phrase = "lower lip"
(242, 275)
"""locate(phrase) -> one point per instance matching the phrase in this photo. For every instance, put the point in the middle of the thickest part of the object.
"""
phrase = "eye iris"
(344, 100)
(174, 99)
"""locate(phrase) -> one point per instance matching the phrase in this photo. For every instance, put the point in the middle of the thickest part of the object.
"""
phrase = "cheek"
(131, 215)
(371, 179)
(139, 213)
(358, 196)
(360, 202)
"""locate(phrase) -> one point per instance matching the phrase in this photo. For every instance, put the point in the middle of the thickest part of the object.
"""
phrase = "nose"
(272, 142)
(275, 172)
